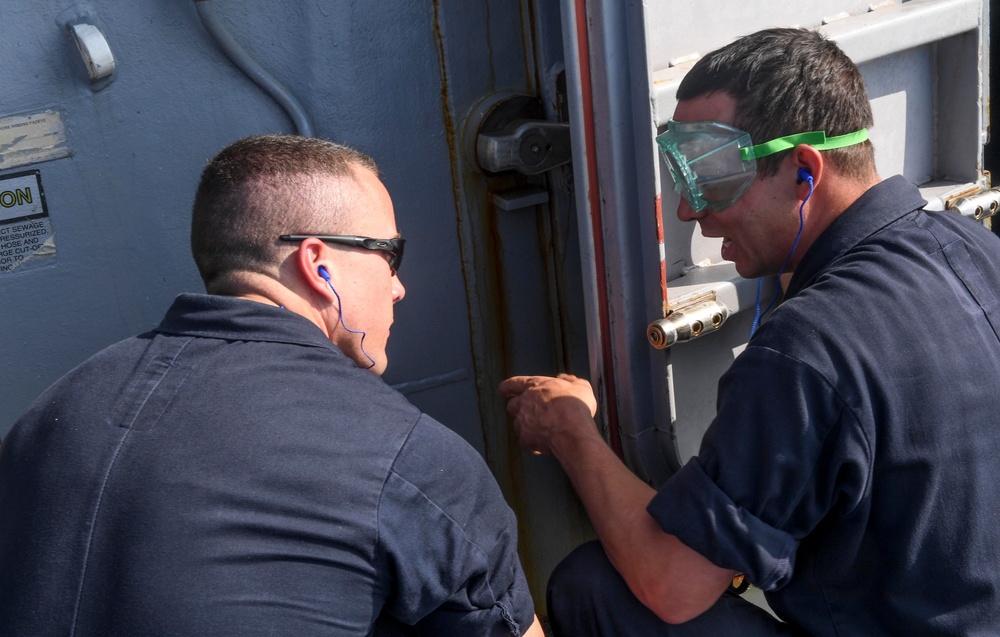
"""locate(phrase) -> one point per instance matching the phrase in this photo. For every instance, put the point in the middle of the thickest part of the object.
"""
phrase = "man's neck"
(827, 204)
(259, 298)
(269, 291)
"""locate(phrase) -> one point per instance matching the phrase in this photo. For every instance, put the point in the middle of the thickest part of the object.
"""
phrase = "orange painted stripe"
(593, 194)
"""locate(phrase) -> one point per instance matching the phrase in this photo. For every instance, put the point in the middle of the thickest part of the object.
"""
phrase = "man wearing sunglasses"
(242, 469)
(850, 472)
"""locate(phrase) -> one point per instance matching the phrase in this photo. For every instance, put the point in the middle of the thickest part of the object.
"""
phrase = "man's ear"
(808, 163)
(314, 269)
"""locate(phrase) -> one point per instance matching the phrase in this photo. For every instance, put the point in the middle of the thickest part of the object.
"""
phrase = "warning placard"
(26, 235)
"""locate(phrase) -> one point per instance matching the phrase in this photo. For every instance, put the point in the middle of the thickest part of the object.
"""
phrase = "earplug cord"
(340, 312)
(777, 286)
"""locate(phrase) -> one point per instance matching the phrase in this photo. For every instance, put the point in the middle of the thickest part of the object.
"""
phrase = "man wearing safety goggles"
(716, 167)
(850, 470)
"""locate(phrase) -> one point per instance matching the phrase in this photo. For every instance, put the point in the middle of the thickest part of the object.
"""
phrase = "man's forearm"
(535, 630)
(671, 579)
(615, 500)
(555, 415)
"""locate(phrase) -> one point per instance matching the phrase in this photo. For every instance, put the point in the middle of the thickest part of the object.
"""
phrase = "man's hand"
(546, 408)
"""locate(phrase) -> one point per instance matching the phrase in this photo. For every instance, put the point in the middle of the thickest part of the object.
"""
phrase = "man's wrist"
(578, 433)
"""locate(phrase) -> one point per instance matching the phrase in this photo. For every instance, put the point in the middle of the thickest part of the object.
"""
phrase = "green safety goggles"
(713, 164)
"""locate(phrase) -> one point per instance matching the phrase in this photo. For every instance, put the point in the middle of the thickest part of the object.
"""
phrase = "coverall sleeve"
(449, 541)
(784, 451)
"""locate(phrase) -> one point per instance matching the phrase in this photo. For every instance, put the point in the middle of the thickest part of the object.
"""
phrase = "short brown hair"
(788, 81)
(256, 189)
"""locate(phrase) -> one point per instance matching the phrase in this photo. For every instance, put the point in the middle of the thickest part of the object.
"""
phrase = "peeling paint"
(32, 138)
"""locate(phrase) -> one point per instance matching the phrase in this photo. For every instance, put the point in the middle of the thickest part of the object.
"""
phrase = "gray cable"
(253, 70)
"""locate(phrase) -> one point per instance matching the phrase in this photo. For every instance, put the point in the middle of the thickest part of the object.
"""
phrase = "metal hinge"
(979, 206)
(688, 318)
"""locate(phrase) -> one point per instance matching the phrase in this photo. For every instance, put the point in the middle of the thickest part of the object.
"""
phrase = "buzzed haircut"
(259, 188)
(788, 81)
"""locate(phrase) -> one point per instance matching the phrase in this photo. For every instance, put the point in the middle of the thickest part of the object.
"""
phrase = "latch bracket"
(514, 137)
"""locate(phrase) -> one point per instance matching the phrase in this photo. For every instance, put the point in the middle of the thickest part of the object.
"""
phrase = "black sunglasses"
(392, 247)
